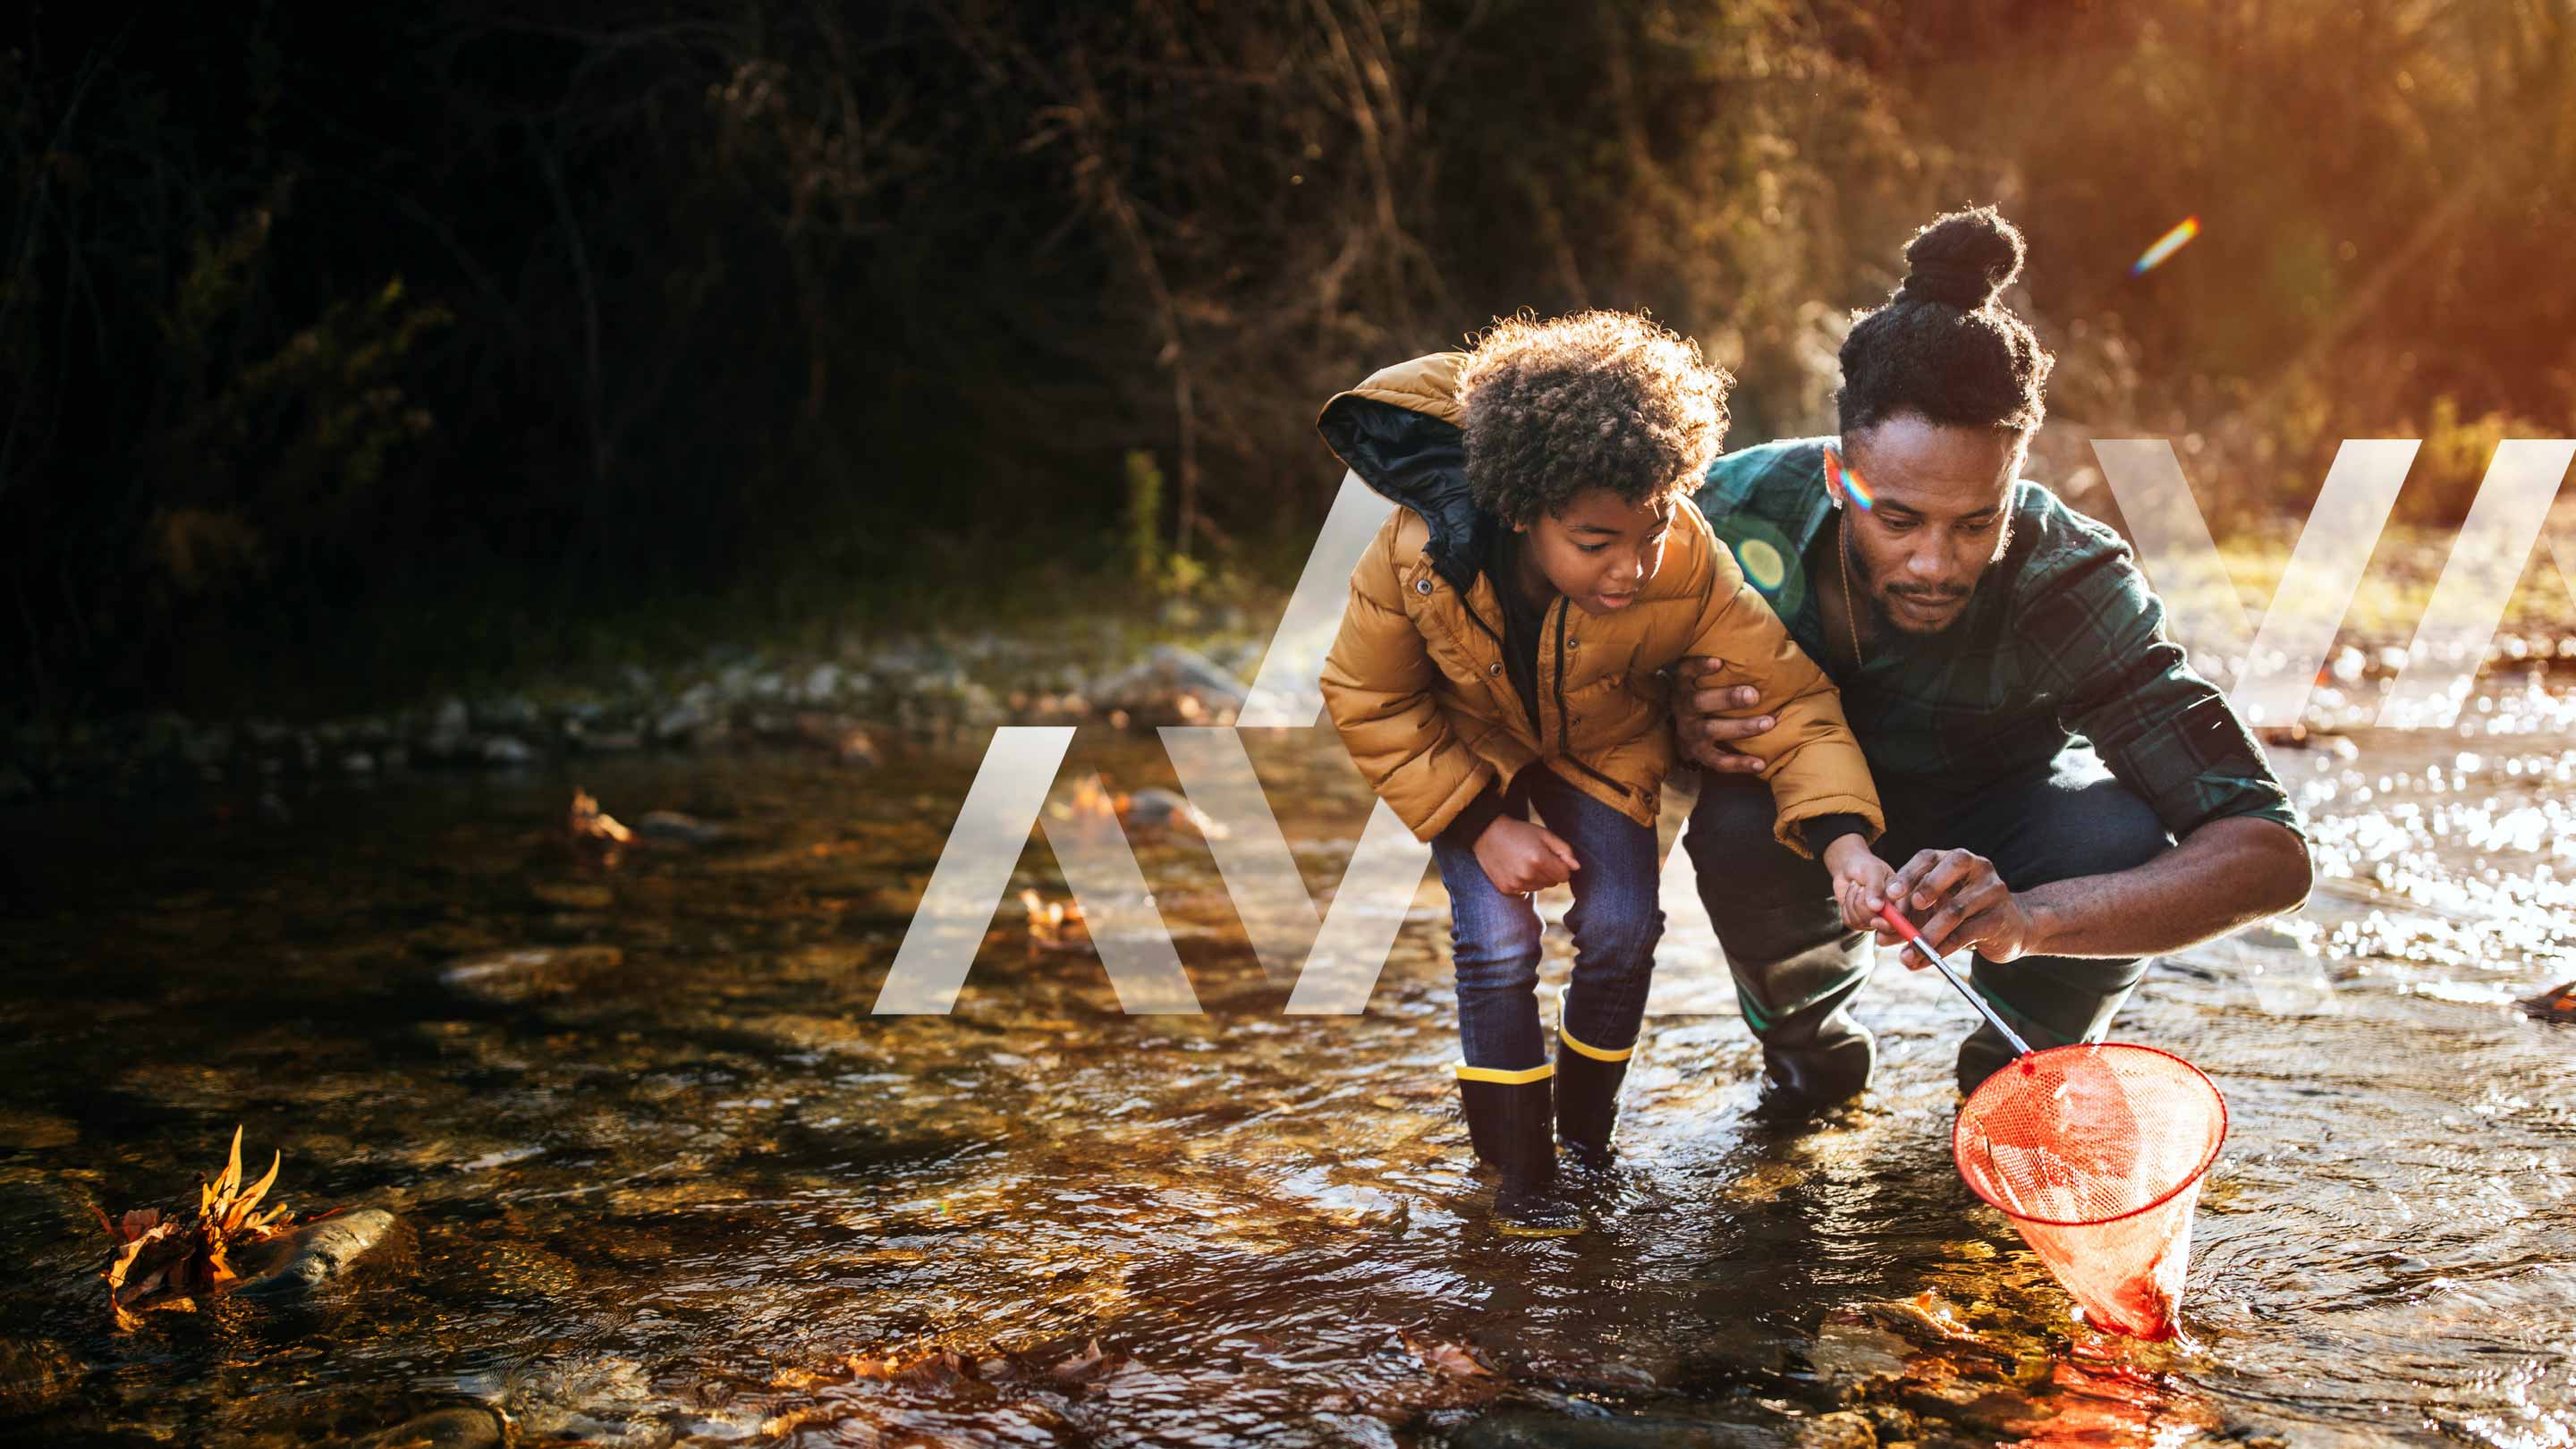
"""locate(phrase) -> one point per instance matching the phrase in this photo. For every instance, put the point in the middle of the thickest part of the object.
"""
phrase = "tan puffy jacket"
(1416, 682)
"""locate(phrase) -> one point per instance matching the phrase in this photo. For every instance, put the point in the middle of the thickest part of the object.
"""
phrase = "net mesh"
(2096, 1153)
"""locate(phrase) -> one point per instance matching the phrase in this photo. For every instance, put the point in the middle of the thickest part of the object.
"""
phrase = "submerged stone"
(1533, 1429)
(440, 1429)
(35, 1374)
(528, 973)
(319, 1253)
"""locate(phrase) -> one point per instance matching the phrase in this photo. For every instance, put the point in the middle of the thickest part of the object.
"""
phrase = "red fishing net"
(2096, 1153)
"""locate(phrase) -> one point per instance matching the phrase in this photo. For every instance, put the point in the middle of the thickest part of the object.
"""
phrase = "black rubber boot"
(1587, 1107)
(1800, 1084)
(1513, 1127)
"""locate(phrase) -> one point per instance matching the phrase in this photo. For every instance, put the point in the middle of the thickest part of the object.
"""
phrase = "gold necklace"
(1842, 556)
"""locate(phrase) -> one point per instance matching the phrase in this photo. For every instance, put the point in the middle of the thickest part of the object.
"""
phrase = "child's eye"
(1590, 547)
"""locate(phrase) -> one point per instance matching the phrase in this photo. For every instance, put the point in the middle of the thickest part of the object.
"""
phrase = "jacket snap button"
(1422, 586)
(1573, 643)
(1493, 669)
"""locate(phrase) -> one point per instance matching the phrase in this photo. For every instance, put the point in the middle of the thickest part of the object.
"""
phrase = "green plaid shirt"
(2061, 644)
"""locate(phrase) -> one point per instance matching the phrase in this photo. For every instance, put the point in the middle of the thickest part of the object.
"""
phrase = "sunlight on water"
(669, 1182)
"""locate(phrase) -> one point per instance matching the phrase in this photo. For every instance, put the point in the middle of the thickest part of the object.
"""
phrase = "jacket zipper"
(1562, 606)
(1499, 646)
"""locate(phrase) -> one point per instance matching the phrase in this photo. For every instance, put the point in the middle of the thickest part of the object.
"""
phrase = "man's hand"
(1955, 898)
(1700, 693)
(1519, 857)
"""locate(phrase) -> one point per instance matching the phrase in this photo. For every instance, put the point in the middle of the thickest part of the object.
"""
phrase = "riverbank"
(861, 690)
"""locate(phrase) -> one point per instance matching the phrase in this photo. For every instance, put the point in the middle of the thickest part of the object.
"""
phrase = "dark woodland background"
(354, 345)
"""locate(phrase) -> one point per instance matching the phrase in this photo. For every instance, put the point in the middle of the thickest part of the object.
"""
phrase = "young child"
(1502, 650)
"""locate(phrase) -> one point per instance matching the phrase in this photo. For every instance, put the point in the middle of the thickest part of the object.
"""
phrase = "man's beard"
(1883, 624)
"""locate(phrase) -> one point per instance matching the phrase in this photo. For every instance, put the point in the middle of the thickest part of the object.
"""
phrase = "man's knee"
(2088, 826)
(2051, 1001)
(1731, 842)
(1767, 901)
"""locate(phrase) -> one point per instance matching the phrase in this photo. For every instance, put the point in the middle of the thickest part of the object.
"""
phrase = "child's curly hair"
(1588, 400)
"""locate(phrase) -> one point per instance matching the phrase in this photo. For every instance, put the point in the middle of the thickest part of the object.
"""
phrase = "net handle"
(1914, 938)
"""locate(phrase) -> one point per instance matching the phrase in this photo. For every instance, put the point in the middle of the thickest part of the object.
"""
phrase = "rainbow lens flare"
(2166, 245)
(1848, 481)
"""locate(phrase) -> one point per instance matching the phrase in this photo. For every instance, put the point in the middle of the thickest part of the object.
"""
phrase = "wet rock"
(607, 1401)
(529, 973)
(691, 714)
(451, 717)
(1153, 810)
(1970, 1403)
(35, 1131)
(506, 750)
(318, 1254)
(35, 1374)
(441, 1429)
(1173, 685)
(977, 708)
(1841, 1429)
(511, 713)
(680, 829)
(574, 895)
(838, 735)
(822, 683)
(1529, 1429)
(208, 746)
(1849, 1351)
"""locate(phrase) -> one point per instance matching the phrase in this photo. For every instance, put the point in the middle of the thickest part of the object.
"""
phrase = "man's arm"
(2099, 645)
(2228, 873)
(1709, 716)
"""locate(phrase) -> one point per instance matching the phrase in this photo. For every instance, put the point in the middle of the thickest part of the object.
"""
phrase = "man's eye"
(1980, 526)
(1900, 525)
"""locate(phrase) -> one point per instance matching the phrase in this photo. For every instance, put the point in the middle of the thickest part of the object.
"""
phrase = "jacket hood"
(1404, 432)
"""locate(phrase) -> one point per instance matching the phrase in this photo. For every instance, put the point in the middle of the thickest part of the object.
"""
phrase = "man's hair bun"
(1963, 260)
(1945, 345)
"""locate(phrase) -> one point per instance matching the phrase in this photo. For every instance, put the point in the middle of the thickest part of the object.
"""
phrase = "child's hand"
(1860, 881)
(1519, 857)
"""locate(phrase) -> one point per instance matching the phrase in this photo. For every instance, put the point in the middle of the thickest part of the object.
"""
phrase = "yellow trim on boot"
(1537, 1073)
(1594, 1052)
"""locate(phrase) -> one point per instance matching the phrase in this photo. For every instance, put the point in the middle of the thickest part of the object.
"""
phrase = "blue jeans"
(1796, 967)
(1494, 937)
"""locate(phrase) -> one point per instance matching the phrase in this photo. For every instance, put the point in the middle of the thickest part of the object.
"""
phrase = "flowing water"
(664, 1179)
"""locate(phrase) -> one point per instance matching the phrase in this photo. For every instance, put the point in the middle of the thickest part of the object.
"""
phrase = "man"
(2064, 796)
